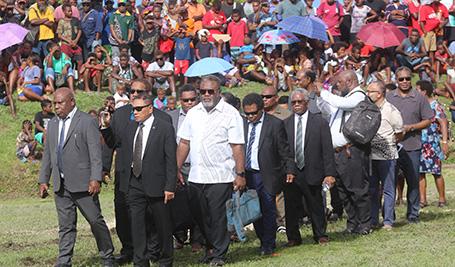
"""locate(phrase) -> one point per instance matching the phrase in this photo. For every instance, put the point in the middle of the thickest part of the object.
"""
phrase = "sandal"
(442, 204)
(423, 204)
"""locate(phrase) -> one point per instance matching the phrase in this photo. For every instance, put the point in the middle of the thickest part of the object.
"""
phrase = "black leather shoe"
(109, 263)
(123, 259)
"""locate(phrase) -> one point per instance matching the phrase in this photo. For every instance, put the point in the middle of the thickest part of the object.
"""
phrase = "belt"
(344, 149)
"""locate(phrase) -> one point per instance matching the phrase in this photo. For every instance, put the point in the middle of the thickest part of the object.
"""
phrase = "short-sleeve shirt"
(358, 15)
(31, 73)
(383, 146)
(68, 28)
(59, 64)
(414, 108)
(45, 32)
(122, 24)
(414, 7)
(287, 9)
(150, 40)
(237, 31)
(196, 10)
(43, 120)
(211, 135)
(58, 13)
(204, 49)
(432, 15)
(331, 15)
(182, 48)
(211, 19)
(166, 66)
(398, 22)
(409, 47)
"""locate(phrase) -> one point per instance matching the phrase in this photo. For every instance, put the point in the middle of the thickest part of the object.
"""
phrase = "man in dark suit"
(117, 124)
(72, 156)
(150, 173)
(311, 147)
(266, 162)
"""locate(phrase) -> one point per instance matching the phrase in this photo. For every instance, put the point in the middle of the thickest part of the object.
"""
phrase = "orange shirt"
(198, 10)
(189, 26)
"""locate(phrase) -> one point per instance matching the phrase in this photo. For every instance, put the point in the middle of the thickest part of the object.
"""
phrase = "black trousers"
(208, 206)
(140, 204)
(335, 201)
(293, 202)
(122, 219)
(352, 182)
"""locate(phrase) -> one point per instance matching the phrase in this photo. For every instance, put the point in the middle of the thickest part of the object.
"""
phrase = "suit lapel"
(54, 132)
(74, 123)
(152, 135)
(307, 129)
(263, 131)
(245, 131)
(292, 141)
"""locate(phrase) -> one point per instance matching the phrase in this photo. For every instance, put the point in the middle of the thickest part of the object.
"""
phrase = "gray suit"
(81, 158)
(175, 118)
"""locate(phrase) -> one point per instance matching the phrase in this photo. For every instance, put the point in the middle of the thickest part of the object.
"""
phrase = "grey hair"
(403, 68)
(381, 86)
(211, 78)
(304, 92)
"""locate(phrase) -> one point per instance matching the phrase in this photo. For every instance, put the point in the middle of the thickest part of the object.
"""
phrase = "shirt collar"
(413, 93)
(126, 13)
(148, 122)
(303, 116)
(70, 115)
(182, 113)
(261, 120)
(218, 106)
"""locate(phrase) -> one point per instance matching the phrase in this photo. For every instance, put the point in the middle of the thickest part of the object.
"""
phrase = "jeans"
(409, 162)
(406, 61)
(383, 171)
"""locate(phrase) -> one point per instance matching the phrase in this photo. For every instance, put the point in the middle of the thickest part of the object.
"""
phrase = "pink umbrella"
(11, 34)
(278, 37)
(380, 34)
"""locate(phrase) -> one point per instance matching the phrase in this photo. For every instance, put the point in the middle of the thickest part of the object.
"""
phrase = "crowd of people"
(182, 147)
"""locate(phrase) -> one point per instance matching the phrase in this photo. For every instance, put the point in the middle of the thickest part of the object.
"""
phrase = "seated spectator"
(160, 102)
(42, 118)
(441, 59)
(3, 90)
(123, 73)
(357, 64)
(69, 33)
(378, 67)
(120, 96)
(411, 52)
(58, 68)
(162, 73)
(25, 143)
(203, 48)
(29, 86)
(281, 79)
(95, 70)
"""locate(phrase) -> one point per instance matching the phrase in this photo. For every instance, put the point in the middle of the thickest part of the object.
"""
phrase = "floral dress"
(432, 155)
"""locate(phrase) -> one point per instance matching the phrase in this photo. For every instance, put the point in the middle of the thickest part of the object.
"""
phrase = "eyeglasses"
(267, 96)
(401, 79)
(203, 92)
(138, 91)
(294, 102)
(370, 92)
(253, 113)
(186, 100)
(139, 109)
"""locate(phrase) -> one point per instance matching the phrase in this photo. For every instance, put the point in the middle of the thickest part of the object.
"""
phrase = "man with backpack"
(352, 159)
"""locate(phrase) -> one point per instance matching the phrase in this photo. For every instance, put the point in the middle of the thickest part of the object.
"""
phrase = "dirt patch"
(29, 261)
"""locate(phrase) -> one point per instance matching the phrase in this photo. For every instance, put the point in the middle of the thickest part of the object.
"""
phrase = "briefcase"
(242, 209)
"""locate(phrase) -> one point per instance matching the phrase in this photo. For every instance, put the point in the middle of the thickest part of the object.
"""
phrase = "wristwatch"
(241, 174)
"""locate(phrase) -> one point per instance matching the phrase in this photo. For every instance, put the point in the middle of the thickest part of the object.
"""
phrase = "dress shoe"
(196, 247)
(323, 240)
(413, 220)
(123, 259)
(333, 217)
(109, 263)
(293, 243)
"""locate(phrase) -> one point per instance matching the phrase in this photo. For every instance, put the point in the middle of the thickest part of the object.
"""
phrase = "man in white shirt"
(384, 155)
(352, 162)
(212, 134)
(162, 73)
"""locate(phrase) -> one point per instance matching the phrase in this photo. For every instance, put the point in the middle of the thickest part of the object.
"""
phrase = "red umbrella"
(380, 34)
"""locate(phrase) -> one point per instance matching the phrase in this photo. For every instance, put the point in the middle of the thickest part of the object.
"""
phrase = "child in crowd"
(25, 143)
(281, 80)
(92, 72)
(171, 103)
(203, 48)
(120, 96)
(237, 30)
(160, 102)
(441, 57)
(182, 55)
(3, 90)
(354, 62)
(42, 118)
(69, 32)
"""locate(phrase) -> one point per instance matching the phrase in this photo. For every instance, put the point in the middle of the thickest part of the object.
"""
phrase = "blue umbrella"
(309, 26)
(208, 65)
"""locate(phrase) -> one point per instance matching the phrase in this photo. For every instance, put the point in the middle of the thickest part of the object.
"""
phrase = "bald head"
(64, 92)
(346, 81)
(64, 102)
(376, 91)
(270, 97)
(269, 90)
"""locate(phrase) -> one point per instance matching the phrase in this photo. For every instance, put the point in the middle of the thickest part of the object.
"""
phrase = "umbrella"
(380, 34)
(278, 37)
(11, 34)
(208, 65)
(309, 26)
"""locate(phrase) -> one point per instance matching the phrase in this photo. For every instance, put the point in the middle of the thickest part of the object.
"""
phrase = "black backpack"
(364, 122)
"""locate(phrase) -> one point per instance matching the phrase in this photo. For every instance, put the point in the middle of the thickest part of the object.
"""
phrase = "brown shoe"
(293, 243)
(323, 241)
(196, 247)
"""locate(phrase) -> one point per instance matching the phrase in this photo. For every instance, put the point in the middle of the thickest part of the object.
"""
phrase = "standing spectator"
(237, 29)
(416, 113)
(203, 47)
(266, 164)
(42, 119)
(182, 55)
(384, 155)
(59, 13)
(108, 11)
(359, 17)
(435, 146)
(228, 7)
(25, 143)
(311, 149)
(196, 11)
(398, 14)
(310, 10)
(69, 32)
(378, 6)
(92, 27)
(162, 73)
(72, 157)
(414, 11)
(248, 8)
(215, 21)
(149, 40)
(253, 19)
(41, 15)
(122, 27)
(331, 12)
(289, 8)
(433, 18)
(352, 160)
(213, 135)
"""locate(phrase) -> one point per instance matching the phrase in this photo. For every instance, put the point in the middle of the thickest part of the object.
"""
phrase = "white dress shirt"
(335, 105)
(255, 145)
(145, 133)
(304, 124)
(211, 135)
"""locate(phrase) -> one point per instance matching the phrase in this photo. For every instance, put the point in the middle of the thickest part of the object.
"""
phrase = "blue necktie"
(250, 145)
(61, 142)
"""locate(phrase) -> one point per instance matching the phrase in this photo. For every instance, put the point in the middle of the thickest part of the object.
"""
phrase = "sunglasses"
(186, 100)
(121, 4)
(139, 109)
(401, 79)
(297, 102)
(159, 58)
(138, 91)
(85, 4)
(203, 92)
(253, 113)
(267, 96)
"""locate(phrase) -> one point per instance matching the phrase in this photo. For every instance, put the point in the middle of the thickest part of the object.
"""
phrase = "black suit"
(273, 158)
(319, 163)
(112, 138)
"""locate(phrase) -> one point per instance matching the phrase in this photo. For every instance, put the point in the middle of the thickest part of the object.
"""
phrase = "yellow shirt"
(198, 10)
(45, 32)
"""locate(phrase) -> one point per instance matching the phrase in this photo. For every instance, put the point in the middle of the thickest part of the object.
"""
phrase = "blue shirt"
(91, 23)
(106, 29)
(264, 17)
(182, 48)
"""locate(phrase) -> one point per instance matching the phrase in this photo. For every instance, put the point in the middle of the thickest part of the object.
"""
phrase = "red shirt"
(331, 15)
(432, 15)
(414, 9)
(237, 31)
(211, 19)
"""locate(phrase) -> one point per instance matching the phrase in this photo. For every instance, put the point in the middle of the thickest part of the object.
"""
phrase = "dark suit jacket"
(175, 114)
(273, 153)
(120, 119)
(318, 149)
(81, 154)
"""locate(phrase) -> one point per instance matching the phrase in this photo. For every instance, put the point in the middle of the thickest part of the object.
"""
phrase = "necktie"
(250, 146)
(137, 153)
(61, 142)
(299, 154)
